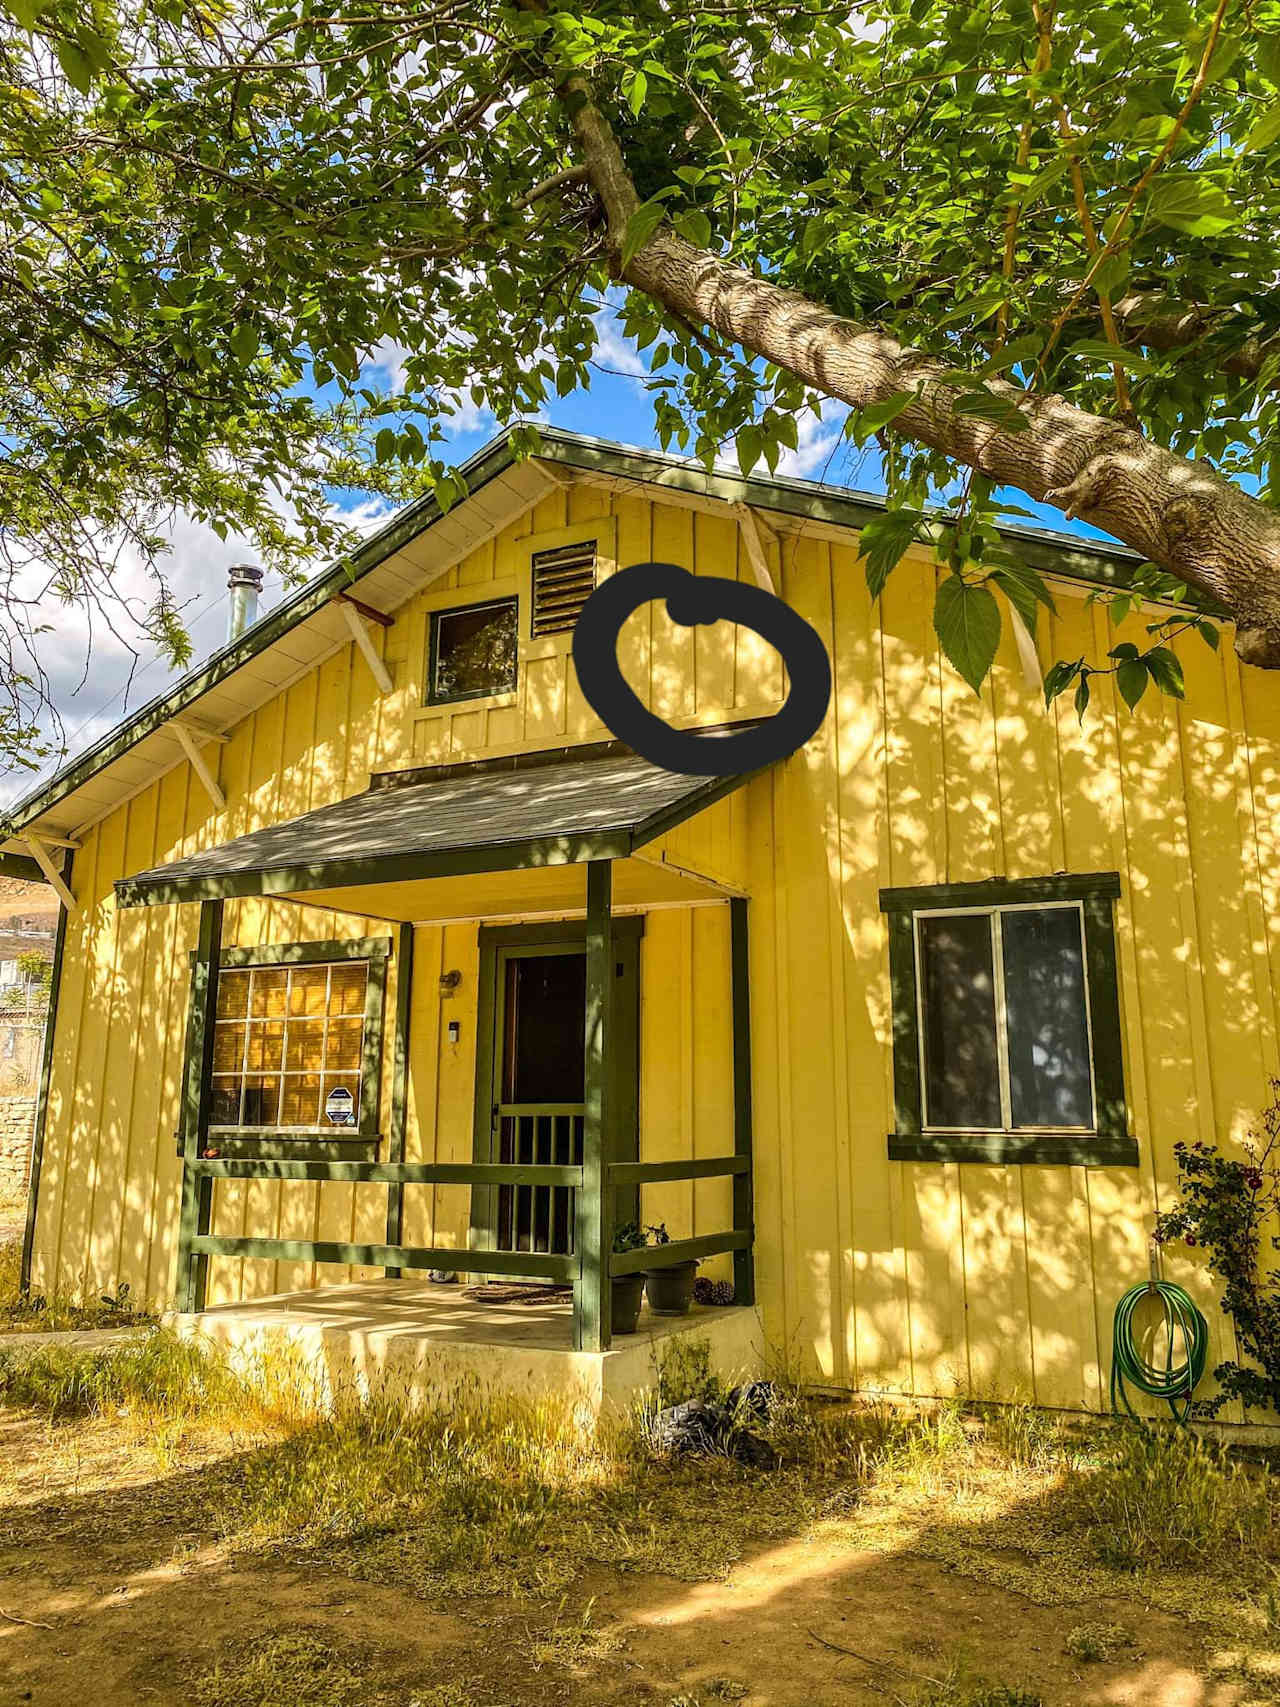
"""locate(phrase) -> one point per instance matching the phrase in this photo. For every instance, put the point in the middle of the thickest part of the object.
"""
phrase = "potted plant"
(670, 1288)
(627, 1293)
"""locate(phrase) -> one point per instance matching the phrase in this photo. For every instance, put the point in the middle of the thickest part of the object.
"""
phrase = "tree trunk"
(1178, 513)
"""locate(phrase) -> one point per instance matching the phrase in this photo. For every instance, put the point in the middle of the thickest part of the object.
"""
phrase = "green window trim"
(262, 1141)
(1110, 1143)
(510, 685)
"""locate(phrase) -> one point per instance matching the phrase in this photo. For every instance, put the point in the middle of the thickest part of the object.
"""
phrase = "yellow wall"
(921, 1277)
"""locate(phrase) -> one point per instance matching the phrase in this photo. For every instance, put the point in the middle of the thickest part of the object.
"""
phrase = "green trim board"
(1109, 1143)
(387, 1173)
(1087, 1150)
(1003, 891)
(266, 1143)
(400, 1083)
(42, 1093)
(677, 1251)
(18, 865)
(664, 1173)
(307, 953)
(593, 1203)
(196, 1211)
(744, 1271)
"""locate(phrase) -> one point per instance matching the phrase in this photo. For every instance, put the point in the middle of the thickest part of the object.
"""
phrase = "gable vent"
(563, 581)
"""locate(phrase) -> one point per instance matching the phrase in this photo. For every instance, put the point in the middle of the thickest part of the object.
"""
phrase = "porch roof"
(543, 809)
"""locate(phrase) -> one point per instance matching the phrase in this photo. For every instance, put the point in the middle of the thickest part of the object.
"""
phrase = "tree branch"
(1178, 513)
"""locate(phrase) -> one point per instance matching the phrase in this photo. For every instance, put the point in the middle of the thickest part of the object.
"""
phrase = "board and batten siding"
(921, 1277)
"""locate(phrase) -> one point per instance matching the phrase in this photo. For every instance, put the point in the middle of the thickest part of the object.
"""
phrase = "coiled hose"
(1175, 1382)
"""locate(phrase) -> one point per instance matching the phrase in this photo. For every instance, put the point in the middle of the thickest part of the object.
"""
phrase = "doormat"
(501, 1292)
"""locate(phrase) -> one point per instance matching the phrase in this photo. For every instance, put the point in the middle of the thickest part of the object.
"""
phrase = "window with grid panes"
(285, 1038)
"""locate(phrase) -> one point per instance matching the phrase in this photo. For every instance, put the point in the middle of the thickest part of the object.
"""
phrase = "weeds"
(32, 1313)
(1091, 1644)
(957, 1690)
(296, 1669)
(1162, 1497)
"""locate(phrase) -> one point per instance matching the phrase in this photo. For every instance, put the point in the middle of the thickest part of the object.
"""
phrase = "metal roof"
(537, 810)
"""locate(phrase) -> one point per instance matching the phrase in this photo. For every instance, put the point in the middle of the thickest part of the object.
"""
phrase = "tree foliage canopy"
(1027, 244)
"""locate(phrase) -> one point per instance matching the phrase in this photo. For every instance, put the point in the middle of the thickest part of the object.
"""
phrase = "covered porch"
(561, 843)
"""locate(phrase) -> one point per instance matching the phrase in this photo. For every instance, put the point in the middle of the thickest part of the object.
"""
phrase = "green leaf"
(636, 92)
(1023, 586)
(1264, 132)
(878, 415)
(883, 541)
(244, 342)
(75, 65)
(694, 226)
(1059, 677)
(1132, 679)
(640, 228)
(25, 11)
(1166, 672)
(1099, 350)
(1082, 695)
(1191, 203)
(1208, 632)
(967, 622)
(986, 406)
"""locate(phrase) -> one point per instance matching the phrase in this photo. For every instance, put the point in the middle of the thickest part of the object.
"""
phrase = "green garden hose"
(1175, 1382)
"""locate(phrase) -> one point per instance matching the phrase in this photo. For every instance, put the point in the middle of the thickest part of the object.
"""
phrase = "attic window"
(563, 580)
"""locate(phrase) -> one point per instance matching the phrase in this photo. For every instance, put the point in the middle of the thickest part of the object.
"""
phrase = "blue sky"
(96, 679)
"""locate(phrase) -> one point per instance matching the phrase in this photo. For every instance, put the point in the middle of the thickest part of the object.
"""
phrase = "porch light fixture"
(449, 982)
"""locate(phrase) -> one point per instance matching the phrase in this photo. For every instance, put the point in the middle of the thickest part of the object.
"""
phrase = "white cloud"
(97, 677)
(614, 351)
(817, 440)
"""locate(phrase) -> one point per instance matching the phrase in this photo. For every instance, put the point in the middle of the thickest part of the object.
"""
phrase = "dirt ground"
(113, 1590)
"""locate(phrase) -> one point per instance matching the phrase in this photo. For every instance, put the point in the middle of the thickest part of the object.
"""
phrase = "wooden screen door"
(535, 1078)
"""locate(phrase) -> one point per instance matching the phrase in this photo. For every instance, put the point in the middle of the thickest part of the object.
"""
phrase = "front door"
(534, 1071)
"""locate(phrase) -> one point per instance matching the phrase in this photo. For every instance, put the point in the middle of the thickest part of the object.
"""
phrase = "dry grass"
(36, 1314)
(504, 1498)
(297, 1668)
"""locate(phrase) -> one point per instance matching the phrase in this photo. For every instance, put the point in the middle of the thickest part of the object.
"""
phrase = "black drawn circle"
(694, 599)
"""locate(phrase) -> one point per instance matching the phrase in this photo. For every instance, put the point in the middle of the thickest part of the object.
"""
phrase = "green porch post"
(744, 1262)
(399, 1084)
(593, 1229)
(197, 1189)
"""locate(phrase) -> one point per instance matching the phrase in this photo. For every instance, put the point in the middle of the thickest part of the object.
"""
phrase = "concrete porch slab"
(433, 1341)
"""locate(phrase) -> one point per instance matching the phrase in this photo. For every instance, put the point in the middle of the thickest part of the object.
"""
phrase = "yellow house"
(897, 1036)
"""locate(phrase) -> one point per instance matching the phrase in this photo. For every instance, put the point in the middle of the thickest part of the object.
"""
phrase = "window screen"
(961, 1052)
(1004, 1024)
(1048, 1033)
(473, 651)
(288, 1046)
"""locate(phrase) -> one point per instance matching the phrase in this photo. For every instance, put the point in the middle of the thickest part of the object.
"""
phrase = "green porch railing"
(737, 1239)
(541, 1265)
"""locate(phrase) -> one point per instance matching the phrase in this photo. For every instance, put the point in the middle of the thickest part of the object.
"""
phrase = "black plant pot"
(628, 1294)
(671, 1289)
